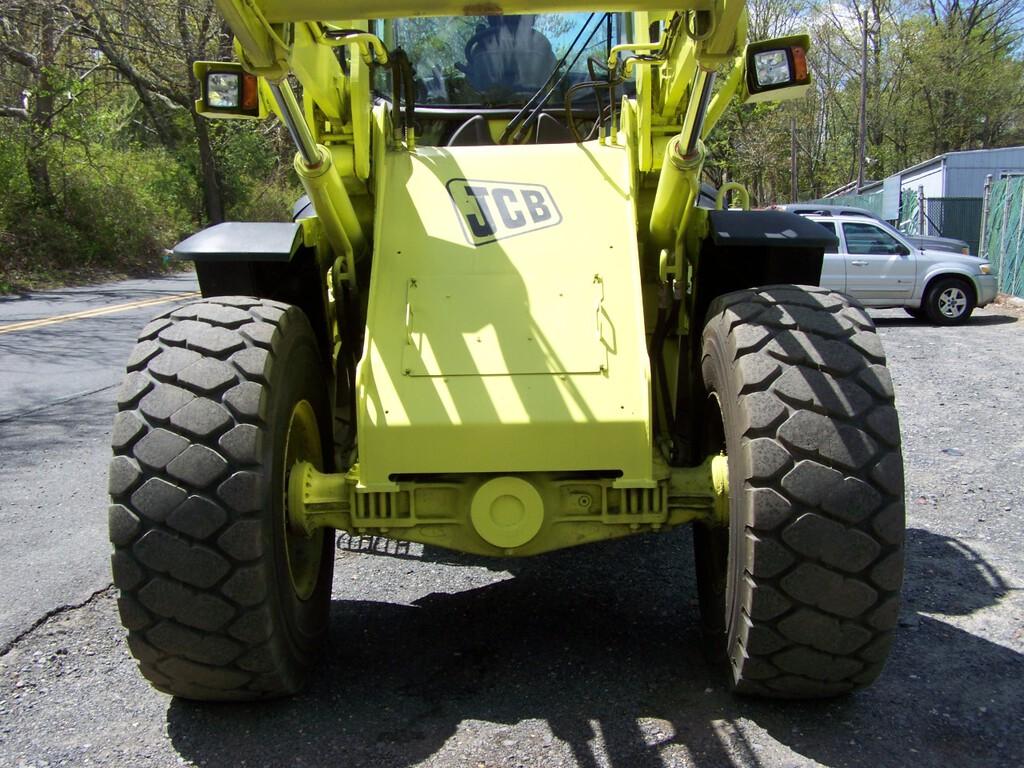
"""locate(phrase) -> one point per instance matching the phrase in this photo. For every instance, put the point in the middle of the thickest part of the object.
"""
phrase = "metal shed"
(962, 174)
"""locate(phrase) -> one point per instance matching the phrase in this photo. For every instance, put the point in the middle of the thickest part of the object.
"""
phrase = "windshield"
(500, 61)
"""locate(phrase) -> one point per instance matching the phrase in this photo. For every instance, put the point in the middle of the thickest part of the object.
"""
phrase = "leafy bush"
(118, 205)
(257, 182)
(115, 211)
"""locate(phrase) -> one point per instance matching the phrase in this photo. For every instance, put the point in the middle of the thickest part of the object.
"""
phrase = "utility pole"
(985, 213)
(863, 99)
(794, 164)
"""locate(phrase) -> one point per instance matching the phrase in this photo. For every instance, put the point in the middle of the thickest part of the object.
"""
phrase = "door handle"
(859, 263)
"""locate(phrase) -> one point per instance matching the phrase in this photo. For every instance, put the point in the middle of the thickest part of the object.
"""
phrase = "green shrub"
(257, 179)
(118, 204)
(115, 211)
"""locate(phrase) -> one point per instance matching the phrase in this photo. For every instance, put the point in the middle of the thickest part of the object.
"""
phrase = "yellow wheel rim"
(302, 551)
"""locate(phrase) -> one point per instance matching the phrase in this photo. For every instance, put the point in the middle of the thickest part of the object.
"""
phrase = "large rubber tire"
(949, 301)
(801, 593)
(203, 559)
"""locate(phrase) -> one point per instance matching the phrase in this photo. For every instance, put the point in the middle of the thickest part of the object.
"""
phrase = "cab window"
(499, 61)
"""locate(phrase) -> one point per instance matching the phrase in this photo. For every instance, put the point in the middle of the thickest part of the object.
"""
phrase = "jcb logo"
(492, 210)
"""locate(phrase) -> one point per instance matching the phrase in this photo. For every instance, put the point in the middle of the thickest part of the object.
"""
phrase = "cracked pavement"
(585, 657)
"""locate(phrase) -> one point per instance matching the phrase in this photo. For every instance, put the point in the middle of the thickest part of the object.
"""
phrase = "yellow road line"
(28, 325)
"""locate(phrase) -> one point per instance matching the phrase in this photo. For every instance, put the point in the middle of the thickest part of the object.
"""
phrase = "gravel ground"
(590, 657)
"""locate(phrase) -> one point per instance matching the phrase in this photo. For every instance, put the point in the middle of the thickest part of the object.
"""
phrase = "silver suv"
(878, 266)
(932, 242)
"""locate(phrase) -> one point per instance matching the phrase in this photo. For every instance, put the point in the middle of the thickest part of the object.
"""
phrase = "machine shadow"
(601, 644)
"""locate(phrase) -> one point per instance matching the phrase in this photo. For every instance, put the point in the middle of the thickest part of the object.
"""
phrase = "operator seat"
(508, 57)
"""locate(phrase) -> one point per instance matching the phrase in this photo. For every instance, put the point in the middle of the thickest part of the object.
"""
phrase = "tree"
(36, 34)
(977, 101)
(153, 46)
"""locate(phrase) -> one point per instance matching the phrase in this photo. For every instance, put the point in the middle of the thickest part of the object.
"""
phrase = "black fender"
(268, 260)
(242, 241)
(742, 249)
(745, 249)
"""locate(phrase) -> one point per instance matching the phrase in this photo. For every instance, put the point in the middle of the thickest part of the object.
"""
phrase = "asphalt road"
(58, 378)
(579, 658)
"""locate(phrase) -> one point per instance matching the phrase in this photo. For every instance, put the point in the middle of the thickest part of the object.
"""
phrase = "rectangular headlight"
(227, 91)
(772, 68)
(776, 70)
(224, 90)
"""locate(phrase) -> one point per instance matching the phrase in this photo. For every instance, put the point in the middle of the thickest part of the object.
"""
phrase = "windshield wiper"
(514, 128)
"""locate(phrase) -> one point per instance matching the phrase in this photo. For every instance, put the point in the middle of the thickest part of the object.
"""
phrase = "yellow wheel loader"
(506, 318)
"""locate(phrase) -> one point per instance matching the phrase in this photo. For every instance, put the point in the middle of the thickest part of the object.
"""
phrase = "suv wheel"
(949, 300)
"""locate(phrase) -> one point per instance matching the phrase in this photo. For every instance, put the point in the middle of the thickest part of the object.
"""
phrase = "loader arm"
(674, 77)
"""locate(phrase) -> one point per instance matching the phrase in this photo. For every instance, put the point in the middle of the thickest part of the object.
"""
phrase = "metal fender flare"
(268, 260)
(940, 270)
(747, 249)
(242, 241)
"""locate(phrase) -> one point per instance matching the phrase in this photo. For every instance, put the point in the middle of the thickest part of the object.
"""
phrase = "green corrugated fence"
(910, 213)
(1003, 233)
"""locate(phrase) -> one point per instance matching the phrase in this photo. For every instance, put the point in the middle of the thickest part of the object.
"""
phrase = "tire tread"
(823, 500)
(185, 486)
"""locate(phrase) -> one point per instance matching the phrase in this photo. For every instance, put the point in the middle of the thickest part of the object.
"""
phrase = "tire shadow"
(600, 645)
(975, 320)
(946, 697)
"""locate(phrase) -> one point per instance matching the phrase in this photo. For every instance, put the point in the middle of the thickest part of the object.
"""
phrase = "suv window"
(867, 239)
(830, 226)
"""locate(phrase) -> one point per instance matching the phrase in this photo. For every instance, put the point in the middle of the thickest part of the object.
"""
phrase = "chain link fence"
(1002, 235)
(873, 201)
(958, 217)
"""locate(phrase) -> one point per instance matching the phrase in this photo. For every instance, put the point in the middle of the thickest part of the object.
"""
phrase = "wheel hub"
(952, 302)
